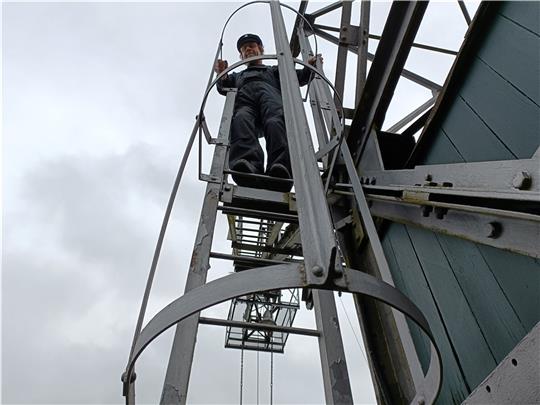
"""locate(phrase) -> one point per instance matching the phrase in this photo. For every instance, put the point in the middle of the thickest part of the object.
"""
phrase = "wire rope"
(375, 376)
(242, 370)
(271, 375)
(257, 372)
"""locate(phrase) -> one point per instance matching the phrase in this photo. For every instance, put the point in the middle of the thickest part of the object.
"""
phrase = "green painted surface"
(409, 277)
(512, 117)
(488, 303)
(519, 64)
(460, 323)
(479, 301)
(442, 150)
(473, 139)
(524, 13)
(519, 278)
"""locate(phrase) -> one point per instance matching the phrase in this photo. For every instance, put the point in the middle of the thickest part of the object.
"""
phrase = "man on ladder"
(258, 111)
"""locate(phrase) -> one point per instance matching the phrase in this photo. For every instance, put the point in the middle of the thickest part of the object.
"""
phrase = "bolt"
(522, 181)
(447, 184)
(428, 177)
(426, 209)
(344, 28)
(440, 212)
(317, 271)
(373, 180)
(429, 184)
(493, 229)
(227, 188)
(421, 400)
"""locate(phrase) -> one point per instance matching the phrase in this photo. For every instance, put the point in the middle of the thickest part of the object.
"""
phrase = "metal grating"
(260, 239)
(272, 307)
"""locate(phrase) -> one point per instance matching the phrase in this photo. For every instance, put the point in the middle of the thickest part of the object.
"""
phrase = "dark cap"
(248, 38)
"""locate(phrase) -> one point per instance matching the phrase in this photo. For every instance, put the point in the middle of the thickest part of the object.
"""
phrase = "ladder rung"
(246, 259)
(259, 176)
(258, 326)
(246, 212)
(266, 249)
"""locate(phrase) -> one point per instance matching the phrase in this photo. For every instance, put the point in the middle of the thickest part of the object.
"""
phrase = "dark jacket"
(267, 74)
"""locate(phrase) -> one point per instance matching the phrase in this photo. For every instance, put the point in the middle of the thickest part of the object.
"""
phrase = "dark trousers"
(258, 110)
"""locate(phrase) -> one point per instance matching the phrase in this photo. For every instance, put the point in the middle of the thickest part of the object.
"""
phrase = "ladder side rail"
(321, 92)
(362, 53)
(320, 95)
(318, 241)
(343, 51)
(316, 227)
(176, 382)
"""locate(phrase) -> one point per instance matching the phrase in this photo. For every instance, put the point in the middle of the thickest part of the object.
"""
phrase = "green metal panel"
(480, 301)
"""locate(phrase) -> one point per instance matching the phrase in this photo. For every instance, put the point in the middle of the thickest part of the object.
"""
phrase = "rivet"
(426, 209)
(317, 271)
(440, 212)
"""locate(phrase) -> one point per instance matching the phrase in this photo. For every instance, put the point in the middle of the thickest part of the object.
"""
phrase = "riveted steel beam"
(318, 240)
(394, 47)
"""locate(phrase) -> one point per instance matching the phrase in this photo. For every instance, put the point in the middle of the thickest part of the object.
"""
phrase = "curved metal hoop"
(281, 277)
(266, 1)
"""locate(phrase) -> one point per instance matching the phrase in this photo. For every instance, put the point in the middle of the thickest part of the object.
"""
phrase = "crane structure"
(432, 224)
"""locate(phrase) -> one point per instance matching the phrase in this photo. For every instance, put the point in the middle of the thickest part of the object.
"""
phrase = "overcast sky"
(98, 102)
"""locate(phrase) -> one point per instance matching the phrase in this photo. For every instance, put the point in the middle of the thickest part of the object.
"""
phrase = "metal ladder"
(314, 231)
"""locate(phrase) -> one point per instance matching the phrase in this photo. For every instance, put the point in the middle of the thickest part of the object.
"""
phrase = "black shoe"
(279, 171)
(243, 166)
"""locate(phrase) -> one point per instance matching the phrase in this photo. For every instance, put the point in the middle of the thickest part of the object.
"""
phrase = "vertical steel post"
(318, 240)
(363, 42)
(176, 382)
(337, 387)
(343, 49)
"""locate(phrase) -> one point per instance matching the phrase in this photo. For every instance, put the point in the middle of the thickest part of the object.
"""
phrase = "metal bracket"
(349, 35)
(209, 178)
